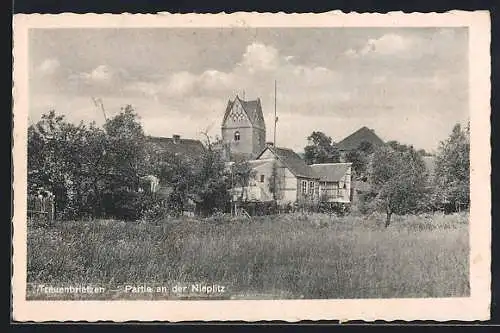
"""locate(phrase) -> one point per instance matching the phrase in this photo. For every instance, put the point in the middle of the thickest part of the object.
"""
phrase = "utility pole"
(275, 117)
(99, 104)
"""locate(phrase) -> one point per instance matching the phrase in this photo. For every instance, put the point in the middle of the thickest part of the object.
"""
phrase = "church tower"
(243, 128)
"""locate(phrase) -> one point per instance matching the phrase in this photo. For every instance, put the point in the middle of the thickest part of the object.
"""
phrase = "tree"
(211, 181)
(423, 152)
(276, 182)
(67, 159)
(242, 172)
(452, 175)
(398, 179)
(127, 148)
(321, 149)
(360, 158)
(80, 163)
(176, 173)
(399, 146)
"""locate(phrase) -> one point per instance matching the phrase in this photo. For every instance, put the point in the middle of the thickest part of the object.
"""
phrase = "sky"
(408, 84)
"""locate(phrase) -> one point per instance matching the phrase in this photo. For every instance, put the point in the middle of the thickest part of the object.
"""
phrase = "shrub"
(132, 206)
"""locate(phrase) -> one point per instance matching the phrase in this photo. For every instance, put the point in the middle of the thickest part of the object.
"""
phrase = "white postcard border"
(475, 307)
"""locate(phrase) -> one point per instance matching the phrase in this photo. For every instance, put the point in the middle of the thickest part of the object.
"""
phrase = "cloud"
(387, 44)
(252, 72)
(351, 53)
(216, 80)
(379, 79)
(440, 43)
(180, 84)
(101, 74)
(49, 66)
(439, 82)
(259, 56)
(374, 83)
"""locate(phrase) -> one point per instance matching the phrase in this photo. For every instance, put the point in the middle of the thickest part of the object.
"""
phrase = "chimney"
(269, 144)
(176, 138)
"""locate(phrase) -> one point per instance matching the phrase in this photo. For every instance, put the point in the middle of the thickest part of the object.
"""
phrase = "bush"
(337, 208)
(154, 211)
(132, 206)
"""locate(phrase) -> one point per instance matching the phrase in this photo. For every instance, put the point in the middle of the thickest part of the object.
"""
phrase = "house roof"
(330, 172)
(252, 163)
(292, 161)
(252, 108)
(258, 163)
(353, 141)
(185, 147)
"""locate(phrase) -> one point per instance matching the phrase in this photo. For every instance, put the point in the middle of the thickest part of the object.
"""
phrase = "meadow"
(311, 256)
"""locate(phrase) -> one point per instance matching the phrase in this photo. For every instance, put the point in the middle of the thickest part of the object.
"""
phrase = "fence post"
(52, 208)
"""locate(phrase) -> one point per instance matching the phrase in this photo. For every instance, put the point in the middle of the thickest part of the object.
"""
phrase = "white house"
(293, 180)
(334, 181)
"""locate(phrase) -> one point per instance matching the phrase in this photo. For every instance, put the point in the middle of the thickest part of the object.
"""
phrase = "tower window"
(237, 136)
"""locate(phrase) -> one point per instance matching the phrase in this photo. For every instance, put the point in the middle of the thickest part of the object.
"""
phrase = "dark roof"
(292, 161)
(353, 141)
(330, 172)
(252, 108)
(184, 147)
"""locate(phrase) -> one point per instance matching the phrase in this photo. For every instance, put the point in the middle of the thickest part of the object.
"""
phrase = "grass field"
(286, 256)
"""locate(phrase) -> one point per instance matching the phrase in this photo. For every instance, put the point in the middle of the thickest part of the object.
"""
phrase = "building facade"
(243, 128)
(281, 174)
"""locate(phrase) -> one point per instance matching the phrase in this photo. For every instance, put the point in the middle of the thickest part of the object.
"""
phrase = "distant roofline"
(170, 138)
(346, 163)
(235, 127)
(247, 100)
(297, 175)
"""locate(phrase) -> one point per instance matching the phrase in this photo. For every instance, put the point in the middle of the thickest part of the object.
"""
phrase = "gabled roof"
(330, 172)
(252, 163)
(292, 161)
(353, 141)
(184, 147)
(252, 108)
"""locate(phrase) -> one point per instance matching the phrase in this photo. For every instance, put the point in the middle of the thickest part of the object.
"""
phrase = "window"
(237, 136)
(311, 188)
(304, 187)
(261, 178)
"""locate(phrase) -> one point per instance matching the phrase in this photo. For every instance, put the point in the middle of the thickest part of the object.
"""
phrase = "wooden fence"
(41, 208)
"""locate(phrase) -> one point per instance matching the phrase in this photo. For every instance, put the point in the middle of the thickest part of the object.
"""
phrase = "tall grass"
(285, 256)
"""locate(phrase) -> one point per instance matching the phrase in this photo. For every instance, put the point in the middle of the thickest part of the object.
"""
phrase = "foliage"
(400, 147)
(81, 163)
(211, 182)
(127, 147)
(176, 174)
(276, 182)
(241, 173)
(360, 159)
(452, 175)
(68, 160)
(321, 149)
(398, 179)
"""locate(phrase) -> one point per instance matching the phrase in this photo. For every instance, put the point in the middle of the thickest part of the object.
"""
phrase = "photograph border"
(475, 307)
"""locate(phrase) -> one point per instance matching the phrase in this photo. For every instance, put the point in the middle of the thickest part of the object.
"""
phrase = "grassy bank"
(287, 256)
